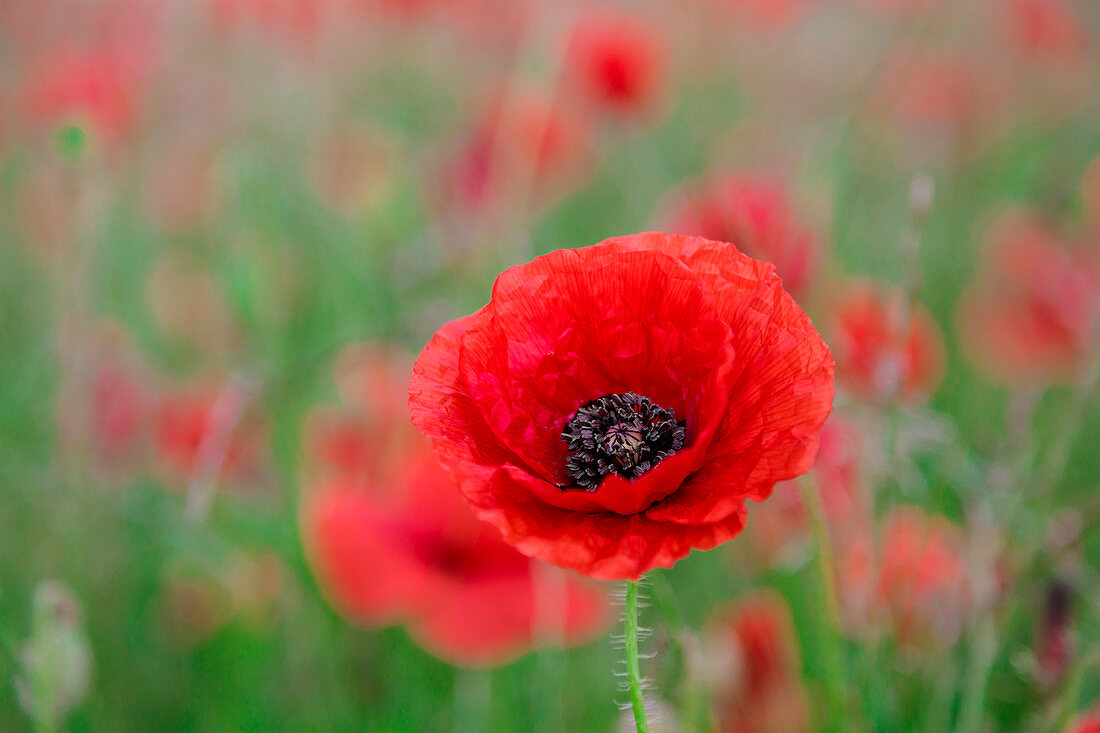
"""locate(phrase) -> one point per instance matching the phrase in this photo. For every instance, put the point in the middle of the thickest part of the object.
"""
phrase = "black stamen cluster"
(625, 433)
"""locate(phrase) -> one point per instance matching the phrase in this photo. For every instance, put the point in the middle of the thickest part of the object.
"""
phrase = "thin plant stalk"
(833, 651)
(633, 668)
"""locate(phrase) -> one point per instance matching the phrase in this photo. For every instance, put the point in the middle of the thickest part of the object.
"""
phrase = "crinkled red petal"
(574, 325)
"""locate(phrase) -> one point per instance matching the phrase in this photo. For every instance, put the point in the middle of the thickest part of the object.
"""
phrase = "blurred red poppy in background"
(613, 406)
(923, 578)
(616, 61)
(523, 144)
(97, 89)
(754, 663)
(209, 429)
(885, 348)
(1046, 29)
(1031, 314)
(391, 540)
(754, 212)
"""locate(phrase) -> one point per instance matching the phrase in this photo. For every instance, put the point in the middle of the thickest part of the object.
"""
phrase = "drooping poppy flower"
(613, 406)
(391, 539)
(756, 213)
(616, 62)
(1032, 313)
(753, 659)
(885, 348)
(923, 578)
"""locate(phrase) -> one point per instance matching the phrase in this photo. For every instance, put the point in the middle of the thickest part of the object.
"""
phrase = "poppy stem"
(833, 650)
(633, 669)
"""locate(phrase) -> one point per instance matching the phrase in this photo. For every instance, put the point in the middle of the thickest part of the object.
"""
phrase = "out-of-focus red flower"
(208, 427)
(923, 578)
(357, 439)
(1086, 723)
(755, 213)
(95, 88)
(781, 525)
(756, 684)
(392, 540)
(1033, 311)
(613, 406)
(523, 146)
(938, 104)
(616, 61)
(105, 407)
(885, 347)
(1046, 29)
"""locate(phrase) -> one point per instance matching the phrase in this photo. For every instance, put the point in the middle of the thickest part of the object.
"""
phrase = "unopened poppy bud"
(55, 664)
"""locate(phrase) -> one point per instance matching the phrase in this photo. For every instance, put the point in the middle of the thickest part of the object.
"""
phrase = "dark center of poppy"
(624, 432)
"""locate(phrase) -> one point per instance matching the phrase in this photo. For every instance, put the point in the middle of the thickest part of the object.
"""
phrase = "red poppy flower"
(613, 406)
(1046, 29)
(1087, 723)
(99, 88)
(208, 427)
(616, 61)
(755, 669)
(1033, 311)
(754, 212)
(391, 539)
(923, 578)
(938, 104)
(886, 348)
(103, 409)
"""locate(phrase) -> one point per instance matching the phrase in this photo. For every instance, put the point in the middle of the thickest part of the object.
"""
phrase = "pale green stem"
(633, 669)
(833, 652)
(473, 689)
(982, 655)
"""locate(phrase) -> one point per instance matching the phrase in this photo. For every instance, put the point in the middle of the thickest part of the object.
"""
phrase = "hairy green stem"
(633, 669)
